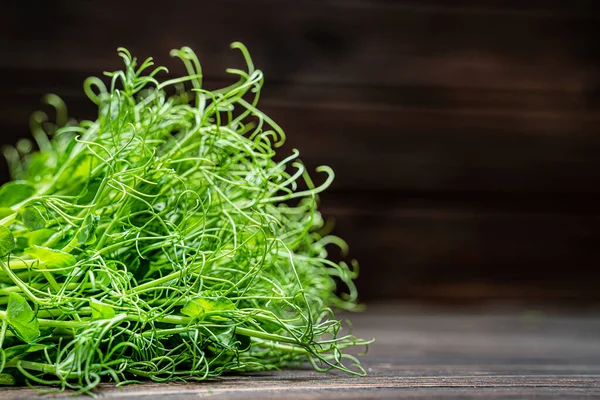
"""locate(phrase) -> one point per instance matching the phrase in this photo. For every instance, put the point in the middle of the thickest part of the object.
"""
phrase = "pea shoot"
(165, 240)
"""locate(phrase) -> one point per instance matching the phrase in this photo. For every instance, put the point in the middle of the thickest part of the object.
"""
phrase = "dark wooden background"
(465, 134)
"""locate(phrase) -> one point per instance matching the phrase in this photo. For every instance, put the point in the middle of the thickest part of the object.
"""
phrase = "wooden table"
(427, 353)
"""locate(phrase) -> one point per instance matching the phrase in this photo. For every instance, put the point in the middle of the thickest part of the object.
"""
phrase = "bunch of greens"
(164, 240)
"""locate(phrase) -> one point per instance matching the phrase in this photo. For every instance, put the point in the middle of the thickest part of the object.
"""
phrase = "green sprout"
(165, 241)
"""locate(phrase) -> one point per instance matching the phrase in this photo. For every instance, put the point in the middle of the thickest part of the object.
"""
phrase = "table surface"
(426, 353)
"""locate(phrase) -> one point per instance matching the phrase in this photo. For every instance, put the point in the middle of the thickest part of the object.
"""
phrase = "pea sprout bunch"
(165, 240)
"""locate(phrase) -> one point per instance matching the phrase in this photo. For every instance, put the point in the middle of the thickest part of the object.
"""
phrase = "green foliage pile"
(164, 240)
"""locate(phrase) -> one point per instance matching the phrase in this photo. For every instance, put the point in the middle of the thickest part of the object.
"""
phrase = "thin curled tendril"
(175, 243)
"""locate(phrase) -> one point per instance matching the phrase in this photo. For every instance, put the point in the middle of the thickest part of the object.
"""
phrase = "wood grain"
(425, 353)
(465, 135)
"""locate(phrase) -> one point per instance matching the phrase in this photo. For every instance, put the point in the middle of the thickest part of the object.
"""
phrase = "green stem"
(3, 329)
(8, 220)
(175, 320)
(51, 323)
(19, 282)
(34, 366)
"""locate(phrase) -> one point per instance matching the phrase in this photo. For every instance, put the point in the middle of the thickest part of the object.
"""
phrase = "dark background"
(465, 134)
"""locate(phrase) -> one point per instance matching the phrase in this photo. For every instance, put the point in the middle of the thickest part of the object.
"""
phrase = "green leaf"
(101, 310)
(7, 379)
(104, 277)
(38, 167)
(21, 318)
(196, 308)
(5, 212)
(39, 237)
(16, 352)
(21, 243)
(225, 337)
(33, 219)
(7, 241)
(86, 234)
(89, 192)
(79, 170)
(15, 192)
(51, 258)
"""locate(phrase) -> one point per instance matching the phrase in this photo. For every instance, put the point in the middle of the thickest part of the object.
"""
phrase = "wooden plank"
(418, 149)
(319, 42)
(32, 83)
(402, 96)
(484, 115)
(302, 387)
(468, 255)
(426, 150)
(427, 352)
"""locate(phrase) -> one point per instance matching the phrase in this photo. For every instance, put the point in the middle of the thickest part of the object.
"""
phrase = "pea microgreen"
(165, 239)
